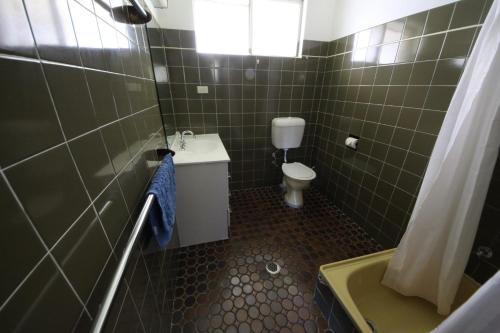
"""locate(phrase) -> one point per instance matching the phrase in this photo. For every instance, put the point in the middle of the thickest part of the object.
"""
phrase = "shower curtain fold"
(430, 259)
(479, 314)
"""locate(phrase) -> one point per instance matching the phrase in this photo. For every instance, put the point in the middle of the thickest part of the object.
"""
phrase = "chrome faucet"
(183, 141)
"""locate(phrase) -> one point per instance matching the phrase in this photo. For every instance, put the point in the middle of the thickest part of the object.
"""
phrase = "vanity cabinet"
(202, 189)
(202, 202)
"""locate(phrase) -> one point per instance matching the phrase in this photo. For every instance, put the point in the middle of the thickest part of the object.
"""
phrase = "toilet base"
(293, 198)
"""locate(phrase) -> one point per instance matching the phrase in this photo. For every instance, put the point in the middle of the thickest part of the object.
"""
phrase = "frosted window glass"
(258, 27)
(222, 26)
(276, 27)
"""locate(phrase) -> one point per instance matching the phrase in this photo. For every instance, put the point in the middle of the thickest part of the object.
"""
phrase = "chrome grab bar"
(100, 319)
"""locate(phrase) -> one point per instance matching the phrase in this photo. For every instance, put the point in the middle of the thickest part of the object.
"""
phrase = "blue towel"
(161, 216)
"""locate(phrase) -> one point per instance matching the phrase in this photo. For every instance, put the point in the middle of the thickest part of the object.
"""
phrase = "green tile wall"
(80, 121)
(79, 126)
(391, 86)
(245, 94)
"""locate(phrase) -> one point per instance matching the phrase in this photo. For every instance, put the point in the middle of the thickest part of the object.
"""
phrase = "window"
(258, 27)
(222, 26)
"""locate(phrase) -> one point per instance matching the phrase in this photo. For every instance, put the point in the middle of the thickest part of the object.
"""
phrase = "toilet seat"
(298, 171)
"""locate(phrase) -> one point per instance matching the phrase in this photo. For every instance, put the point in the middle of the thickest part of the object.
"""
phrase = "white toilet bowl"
(296, 177)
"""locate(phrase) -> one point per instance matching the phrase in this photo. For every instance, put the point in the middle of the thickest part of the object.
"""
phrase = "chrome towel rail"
(100, 319)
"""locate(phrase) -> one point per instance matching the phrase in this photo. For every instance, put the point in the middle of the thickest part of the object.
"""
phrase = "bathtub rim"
(341, 290)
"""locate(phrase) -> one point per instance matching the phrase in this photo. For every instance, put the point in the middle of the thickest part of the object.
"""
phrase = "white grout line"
(389, 200)
(75, 138)
(184, 75)
(18, 58)
(352, 166)
(15, 290)
(67, 146)
(254, 113)
(240, 115)
(340, 53)
(44, 245)
(411, 38)
(169, 88)
(346, 151)
(49, 251)
(407, 150)
(420, 116)
(124, 285)
(96, 282)
(175, 48)
(50, 62)
(415, 131)
(16, 198)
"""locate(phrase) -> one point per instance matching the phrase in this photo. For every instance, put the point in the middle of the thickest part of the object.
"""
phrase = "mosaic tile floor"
(224, 286)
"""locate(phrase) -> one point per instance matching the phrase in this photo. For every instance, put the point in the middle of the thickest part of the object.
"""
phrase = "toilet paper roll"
(351, 142)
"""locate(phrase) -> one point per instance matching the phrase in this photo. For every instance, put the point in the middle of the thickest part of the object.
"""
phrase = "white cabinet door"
(202, 203)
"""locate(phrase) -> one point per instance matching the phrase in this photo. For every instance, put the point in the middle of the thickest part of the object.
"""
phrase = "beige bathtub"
(356, 285)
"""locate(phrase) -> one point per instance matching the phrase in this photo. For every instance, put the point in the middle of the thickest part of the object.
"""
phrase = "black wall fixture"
(134, 14)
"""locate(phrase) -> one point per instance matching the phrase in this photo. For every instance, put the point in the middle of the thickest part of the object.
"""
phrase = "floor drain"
(273, 268)
(372, 325)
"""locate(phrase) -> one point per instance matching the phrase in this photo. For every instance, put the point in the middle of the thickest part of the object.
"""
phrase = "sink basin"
(205, 148)
(200, 146)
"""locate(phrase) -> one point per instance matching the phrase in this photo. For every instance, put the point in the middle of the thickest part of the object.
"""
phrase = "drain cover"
(273, 268)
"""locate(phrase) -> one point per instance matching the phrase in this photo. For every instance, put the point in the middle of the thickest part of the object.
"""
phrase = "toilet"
(287, 133)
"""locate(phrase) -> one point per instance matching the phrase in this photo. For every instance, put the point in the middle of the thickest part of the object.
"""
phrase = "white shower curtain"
(480, 314)
(431, 257)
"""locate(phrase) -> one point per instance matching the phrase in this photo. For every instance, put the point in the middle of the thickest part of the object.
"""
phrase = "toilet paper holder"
(352, 142)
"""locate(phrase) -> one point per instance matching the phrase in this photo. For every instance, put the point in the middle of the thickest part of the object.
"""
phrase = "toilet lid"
(298, 171)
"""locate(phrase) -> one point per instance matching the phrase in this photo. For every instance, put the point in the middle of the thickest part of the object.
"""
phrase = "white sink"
(204, 148)
(200, 146)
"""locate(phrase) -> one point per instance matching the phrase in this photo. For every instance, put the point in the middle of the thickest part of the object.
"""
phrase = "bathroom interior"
(249, 166)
